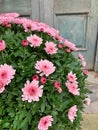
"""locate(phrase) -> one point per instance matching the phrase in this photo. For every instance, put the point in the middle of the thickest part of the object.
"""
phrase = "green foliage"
(18, 115)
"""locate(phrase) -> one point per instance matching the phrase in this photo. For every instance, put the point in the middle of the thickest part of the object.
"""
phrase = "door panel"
(71, 6)
(21, 6)
(77, 22)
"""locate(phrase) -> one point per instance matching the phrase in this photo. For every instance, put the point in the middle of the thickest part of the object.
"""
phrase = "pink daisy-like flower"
(73, 87)
(2, 45)
(72, 113)
(6, 73)
(45, 122)
(34, 40)
(45, 67)
(2, 88)
(72, 77)
(32, 91)
(50, 48)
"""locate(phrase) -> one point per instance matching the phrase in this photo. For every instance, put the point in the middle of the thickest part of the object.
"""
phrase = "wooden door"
(77, 21)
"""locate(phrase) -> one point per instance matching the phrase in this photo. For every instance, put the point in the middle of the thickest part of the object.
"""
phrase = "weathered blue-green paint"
(70, 26)
(21, 6)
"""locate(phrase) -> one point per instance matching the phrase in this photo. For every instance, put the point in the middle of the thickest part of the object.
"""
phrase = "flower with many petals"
(2, 45)
(2, 88)
(32, 91)
(73, 88)
(87, 101)
(80, 56)
(45, 67)
(85, 72)
(35, 41)
(70, 45)
(72, 77)
(6, 73)
(72, 113)
(50, 48)
(45, 122)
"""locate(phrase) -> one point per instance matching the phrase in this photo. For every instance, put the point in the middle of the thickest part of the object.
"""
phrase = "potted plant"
(42, 84)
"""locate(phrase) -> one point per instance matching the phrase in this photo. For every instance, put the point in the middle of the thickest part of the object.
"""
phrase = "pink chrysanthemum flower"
(73, 87)
(2, 45)
(80, 56)
(6, 73)
(72, 113)
(45, 122)
(50, 48)
(83, 63)
(2, 88)
(34, 40)
(87, 101)
(45, 67)
(10, 15)
(32, 91)
(85, 72)
(68, 50)
(72, 77)
(70, 45)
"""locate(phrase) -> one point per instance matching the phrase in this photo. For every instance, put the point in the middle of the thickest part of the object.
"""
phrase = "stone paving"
(90, 114)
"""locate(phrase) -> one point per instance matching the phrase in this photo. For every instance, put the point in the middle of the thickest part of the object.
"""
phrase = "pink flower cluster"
(72, 84)
(42, 79)
(45, 67)
(6, 75)
(32, 91)
(45, 122)
(29, 25)
(72, 113)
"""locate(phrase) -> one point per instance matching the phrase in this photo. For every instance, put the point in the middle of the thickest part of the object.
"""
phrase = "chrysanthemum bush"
(42, 84)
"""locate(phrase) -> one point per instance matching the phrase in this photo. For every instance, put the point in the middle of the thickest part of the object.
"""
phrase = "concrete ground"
(90, 115)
